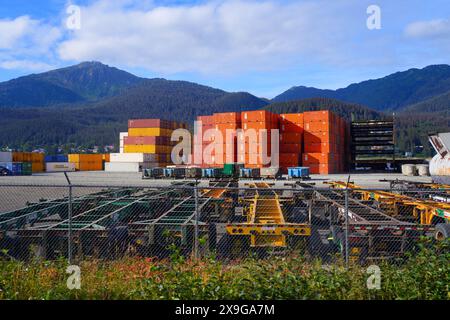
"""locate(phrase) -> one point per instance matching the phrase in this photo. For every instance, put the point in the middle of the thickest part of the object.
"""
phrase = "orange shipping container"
(319, 126)
(227, 117)
(321, 168)
(89, 166)
(318, 137)
(253, 159)
(296, 118)
(81, 157)
(316, 158)
(259, 116)
(259, 125)
(322, 115)
(323, 147)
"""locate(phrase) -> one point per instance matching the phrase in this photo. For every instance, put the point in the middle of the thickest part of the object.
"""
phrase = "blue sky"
(263, 47)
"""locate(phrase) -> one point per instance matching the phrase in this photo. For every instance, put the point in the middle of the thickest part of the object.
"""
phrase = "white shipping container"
(5, 156)
(122, 166)
(59, 166)
(128, 166)
(122, 136)
(132, 157)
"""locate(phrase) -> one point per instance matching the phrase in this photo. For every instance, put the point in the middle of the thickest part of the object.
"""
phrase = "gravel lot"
(16, 192)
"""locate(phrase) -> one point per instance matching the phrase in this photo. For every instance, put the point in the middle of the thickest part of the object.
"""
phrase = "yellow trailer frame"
(424, 210)
(265, 224)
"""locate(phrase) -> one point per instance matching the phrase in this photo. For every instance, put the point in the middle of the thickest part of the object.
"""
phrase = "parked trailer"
(372, 234)
(250, 173)
(153, 173)
(424, 211)
(271, 173)
(174, 173)
(193, 173)
(265, 225)
(298, 173)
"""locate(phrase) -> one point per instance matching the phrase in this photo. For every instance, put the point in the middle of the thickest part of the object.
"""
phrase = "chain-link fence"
(226, 220)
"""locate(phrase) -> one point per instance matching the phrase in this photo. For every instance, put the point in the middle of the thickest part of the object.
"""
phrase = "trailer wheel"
(442, 231)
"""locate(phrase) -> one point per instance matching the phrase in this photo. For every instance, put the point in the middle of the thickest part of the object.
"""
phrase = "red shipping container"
(291, 158)
(158, 140)
(206, 120)
(290, 127)
(290, 138)
(291, 147)
(149, 123)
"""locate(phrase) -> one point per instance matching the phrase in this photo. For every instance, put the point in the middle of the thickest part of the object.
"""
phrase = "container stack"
(122, 136)
(324, 140)
(226, 126)
(146, 145)
(35, 158)
(199, 145)
(291, 136)
(58, 163)
(262, 123)
(87, 162)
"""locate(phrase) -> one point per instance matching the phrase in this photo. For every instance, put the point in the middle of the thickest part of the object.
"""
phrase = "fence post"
(197, 216)
(346, 229)
(69, 235)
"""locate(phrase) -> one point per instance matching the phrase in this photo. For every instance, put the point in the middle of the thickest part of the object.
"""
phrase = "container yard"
(138, 203)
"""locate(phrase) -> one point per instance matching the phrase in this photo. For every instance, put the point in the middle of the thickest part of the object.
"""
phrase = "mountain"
(85, 82)
(347, 110)
(392, 92)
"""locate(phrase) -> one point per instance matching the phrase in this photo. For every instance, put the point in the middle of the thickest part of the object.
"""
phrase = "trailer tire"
(442, 231)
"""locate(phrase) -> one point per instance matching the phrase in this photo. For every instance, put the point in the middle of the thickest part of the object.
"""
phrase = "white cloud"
(11, 31)
(24, 40)
(214, 37)
(25, 65)
(433, 29)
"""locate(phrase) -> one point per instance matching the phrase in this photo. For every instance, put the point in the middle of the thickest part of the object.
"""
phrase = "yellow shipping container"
(146, 148)
(105, 157)
(149, 132)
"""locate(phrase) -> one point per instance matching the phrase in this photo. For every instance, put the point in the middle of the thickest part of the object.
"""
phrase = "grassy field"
(426, 275)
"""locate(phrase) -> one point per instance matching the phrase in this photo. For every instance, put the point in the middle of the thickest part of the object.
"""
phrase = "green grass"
(426, 275)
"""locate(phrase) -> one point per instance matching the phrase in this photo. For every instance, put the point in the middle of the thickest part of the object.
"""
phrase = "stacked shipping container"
(291, 136)
(254, 144)
(35, 158)
(87, 162)
(315, 139)
(324, 142)
(147, 144)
